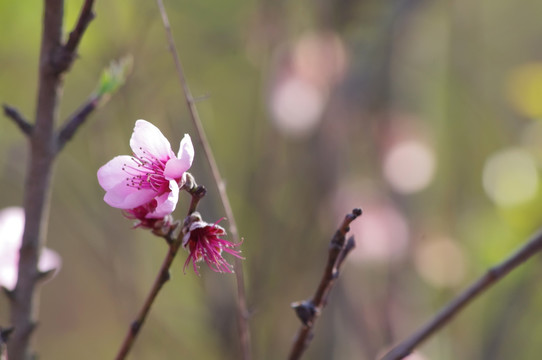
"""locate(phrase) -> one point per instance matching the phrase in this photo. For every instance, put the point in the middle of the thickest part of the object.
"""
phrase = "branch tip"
(14, 114)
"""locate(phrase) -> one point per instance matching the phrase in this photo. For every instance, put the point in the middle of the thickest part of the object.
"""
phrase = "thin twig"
(309, 310)
(18, 119)
(75, 121)
(492, 276)
(197, 192)
(242, 312)
(161, 279)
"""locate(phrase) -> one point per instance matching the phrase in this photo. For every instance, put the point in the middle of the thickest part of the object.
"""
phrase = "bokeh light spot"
(440, 262)
(296, 106)
(510, 177)
(409, 166)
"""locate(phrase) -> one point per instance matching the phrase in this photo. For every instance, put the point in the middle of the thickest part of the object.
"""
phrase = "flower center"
(146, 172)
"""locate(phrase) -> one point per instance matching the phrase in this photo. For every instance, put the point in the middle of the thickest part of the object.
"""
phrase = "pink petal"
(123, 196)
(186, 149)
(11, 236)
(111, 174)
(176, 167)
(166, 202)
(8, 275)
(49, 260)
(148, 141)
(11, 229)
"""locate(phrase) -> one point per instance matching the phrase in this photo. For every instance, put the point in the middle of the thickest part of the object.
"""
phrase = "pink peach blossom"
(203, 242)
(153, 172)
(11, 236)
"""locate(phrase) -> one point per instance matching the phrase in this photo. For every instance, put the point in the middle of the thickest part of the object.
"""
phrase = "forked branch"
(309, 310)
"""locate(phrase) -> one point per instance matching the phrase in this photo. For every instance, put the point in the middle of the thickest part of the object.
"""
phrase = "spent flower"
(204, 243)
(11, 237)
(151, 177)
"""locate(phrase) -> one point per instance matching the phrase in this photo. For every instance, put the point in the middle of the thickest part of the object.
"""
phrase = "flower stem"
(174, 242)
(242, 311)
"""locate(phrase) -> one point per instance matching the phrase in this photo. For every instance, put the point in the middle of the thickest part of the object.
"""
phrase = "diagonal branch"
(242, 311)
(75, 121)
(85, 17)
(66, 54)
(18, 119)
(493, 275)
(309, 310)
(197, 192)
(161, 279)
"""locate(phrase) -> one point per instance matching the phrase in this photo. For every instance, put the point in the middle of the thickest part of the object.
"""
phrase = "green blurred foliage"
(441, 72)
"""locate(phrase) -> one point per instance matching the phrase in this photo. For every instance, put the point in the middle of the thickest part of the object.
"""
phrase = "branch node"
(135, 326)
(5, 333)
(305, 311)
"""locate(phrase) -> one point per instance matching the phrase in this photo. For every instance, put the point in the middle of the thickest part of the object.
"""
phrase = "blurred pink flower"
(152, 172)
(204, 243)
(11, 237)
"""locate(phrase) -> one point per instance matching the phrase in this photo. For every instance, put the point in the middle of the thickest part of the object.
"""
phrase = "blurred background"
(425, 114)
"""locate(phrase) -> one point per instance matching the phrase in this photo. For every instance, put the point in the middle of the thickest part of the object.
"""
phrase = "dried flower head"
(204, 242)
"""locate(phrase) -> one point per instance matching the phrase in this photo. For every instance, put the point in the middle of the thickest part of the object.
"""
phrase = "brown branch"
(492, 276)
(161, 279)
(65, 55)
(18, 119)
(37, 190)
(197, 192)
(85, 17)
(75, 121)
(309, 310)
(242, 311)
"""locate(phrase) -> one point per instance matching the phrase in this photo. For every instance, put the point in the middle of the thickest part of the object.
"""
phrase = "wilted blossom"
(203, 242)
(151, 177)
(11, 236)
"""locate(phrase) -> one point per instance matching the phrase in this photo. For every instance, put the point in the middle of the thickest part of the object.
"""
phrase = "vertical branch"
(24, 302)
(242, 314)
(55, 59)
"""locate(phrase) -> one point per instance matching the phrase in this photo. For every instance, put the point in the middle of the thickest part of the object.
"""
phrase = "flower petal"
(166, 202)
(186, 149)
(8, 275)
(123, 196)
(176, 167)
(49, 260)
(11, 229)
(112, 173)
(147, 140)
